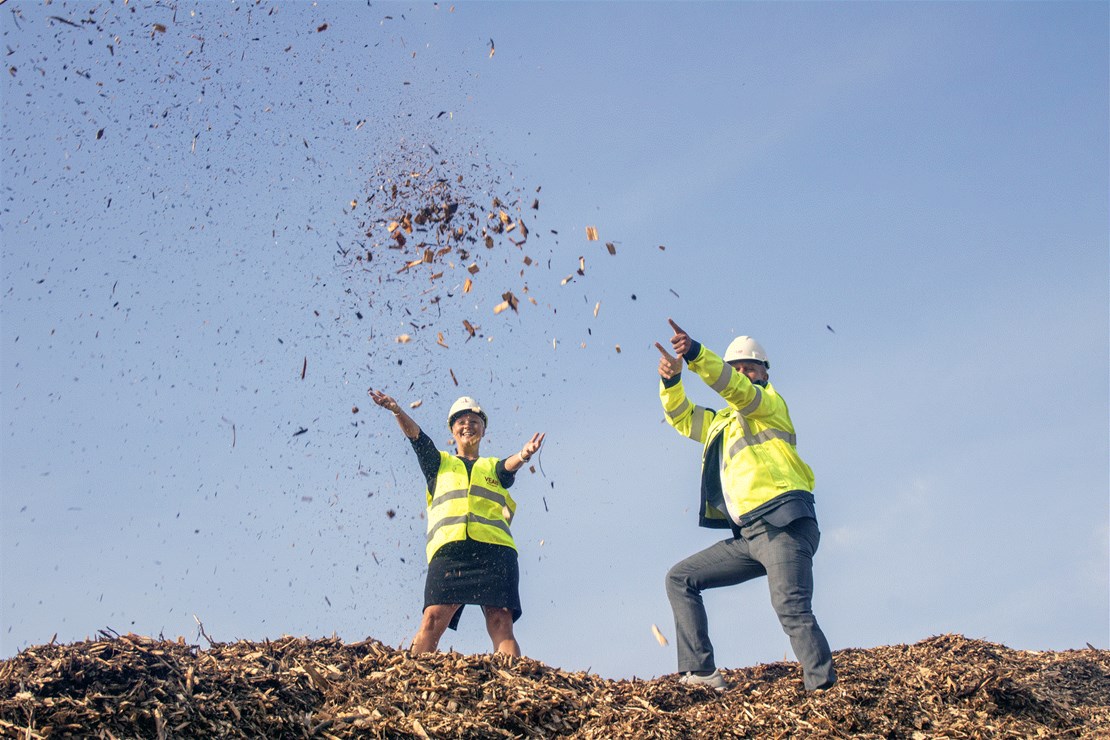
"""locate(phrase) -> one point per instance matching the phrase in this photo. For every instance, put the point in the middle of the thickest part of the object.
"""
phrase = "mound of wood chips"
(132, 686)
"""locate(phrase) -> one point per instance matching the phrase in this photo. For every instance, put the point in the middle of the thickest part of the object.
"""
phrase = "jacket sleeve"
(688, 419)
(735, 388)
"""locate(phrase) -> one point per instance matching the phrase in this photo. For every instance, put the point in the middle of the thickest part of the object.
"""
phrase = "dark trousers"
(785, 556)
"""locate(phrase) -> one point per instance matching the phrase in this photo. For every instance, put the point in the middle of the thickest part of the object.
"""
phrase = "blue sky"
(927, 179)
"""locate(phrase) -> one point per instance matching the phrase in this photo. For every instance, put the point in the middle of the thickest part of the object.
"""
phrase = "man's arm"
(688, 419)
(733, 387)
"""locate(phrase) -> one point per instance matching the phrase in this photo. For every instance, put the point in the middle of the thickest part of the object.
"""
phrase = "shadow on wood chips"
(131, 686)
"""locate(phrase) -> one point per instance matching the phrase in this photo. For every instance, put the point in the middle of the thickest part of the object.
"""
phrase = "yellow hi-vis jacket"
(758, 456)
(478, 506)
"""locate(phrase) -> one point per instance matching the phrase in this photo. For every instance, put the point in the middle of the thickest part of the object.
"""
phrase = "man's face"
(468, 426)
(755, 371)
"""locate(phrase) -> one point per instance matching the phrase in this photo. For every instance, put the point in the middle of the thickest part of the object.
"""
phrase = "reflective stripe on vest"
(674, 414)
(696, 423)
(765, 436)
(482, 510)
(755, 401)
(721, 382)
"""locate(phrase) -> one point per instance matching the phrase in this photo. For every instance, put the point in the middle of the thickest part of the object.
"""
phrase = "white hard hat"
(746, 348)
(463, 405)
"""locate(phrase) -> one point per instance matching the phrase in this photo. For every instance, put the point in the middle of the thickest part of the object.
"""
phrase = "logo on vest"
(493, 482)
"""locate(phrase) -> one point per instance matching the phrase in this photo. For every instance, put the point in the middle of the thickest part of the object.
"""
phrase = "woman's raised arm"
(514, 462)
(408, 426)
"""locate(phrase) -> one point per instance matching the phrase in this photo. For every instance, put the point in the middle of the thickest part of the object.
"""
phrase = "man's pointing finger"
(677, 329)
(662, 351)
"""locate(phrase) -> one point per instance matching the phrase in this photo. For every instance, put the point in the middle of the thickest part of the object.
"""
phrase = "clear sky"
(906, 203)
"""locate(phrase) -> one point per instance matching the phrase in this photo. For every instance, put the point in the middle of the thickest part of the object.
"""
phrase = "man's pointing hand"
(681, 341)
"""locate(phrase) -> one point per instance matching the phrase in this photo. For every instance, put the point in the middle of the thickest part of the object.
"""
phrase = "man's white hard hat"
(746, 348)
(464, 405)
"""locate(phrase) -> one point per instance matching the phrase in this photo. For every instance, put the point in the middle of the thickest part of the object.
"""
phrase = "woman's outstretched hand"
(531, 447)
(383, 400)
(408, 426)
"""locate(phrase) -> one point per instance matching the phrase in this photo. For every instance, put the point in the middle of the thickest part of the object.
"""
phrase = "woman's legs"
(499, 624)
(432, 626)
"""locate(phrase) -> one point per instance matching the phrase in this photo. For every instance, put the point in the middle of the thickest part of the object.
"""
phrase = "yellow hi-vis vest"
(759, 460)
(479, 506)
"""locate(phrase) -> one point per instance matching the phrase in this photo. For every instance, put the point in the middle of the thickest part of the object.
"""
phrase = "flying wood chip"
(492, 49)
(470, 328)
(304, 368)
(404, 339)
(510, 299)
(439, 340)
(322, 28)
(467, 285)
(591, 233)
(500, 307)
(596, 307)
(416, 404)
(159, 28)
(453, 378)
(611, 247)
(658, 636)
(473, 268)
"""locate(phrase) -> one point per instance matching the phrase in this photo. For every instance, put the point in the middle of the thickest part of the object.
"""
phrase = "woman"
(471, 554)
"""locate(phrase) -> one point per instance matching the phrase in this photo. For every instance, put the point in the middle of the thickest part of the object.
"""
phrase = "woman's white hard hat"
(746, 348)
(463, 405)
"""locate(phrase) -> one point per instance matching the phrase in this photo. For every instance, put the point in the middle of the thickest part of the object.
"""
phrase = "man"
(754, 483)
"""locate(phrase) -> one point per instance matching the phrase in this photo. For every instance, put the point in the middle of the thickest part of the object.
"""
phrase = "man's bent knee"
(677, 581)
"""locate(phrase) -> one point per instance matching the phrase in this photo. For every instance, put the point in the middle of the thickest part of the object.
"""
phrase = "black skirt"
(473, 572)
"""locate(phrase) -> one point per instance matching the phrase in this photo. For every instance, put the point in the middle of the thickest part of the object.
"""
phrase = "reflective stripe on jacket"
(478, 506)
(758, 456)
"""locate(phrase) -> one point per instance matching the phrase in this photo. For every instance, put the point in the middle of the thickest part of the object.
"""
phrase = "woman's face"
(469, 427)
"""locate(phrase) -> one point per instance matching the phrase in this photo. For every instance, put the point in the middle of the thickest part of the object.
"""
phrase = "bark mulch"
(131, 686)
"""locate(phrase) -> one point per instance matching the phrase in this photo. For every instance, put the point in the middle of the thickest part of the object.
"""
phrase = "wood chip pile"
(131, 686)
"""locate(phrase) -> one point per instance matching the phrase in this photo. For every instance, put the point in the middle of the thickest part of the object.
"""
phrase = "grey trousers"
(785, 556)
